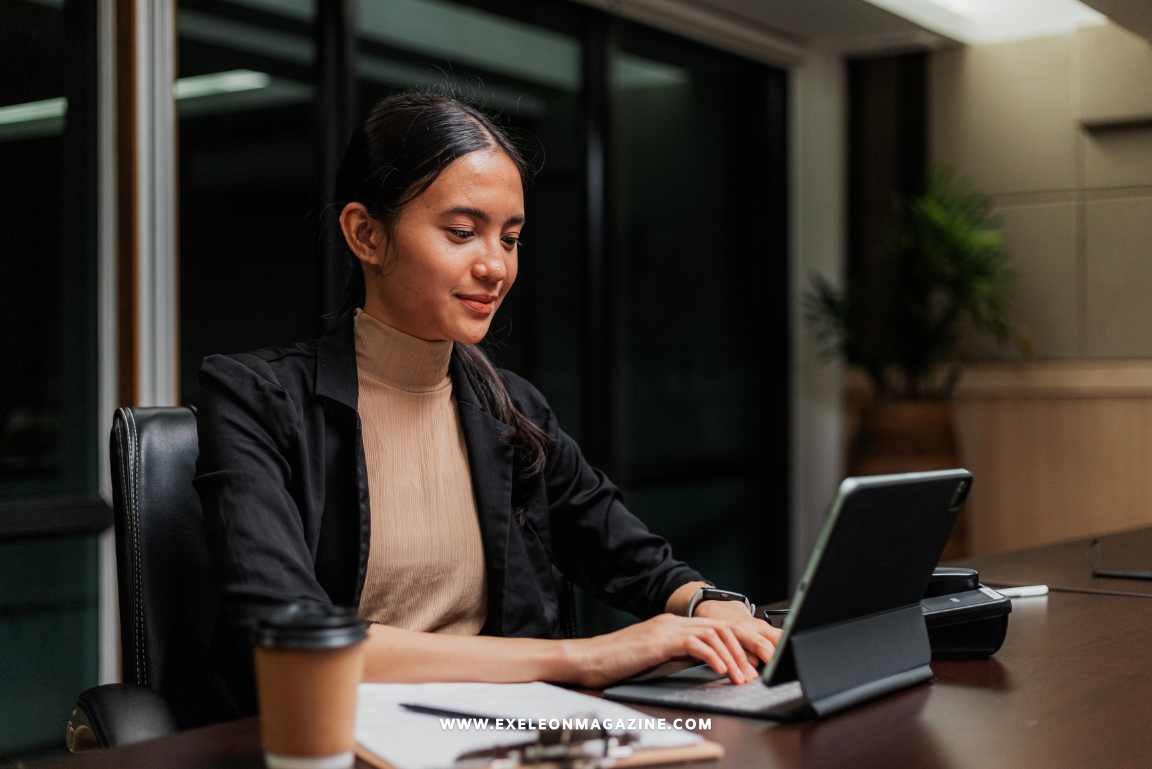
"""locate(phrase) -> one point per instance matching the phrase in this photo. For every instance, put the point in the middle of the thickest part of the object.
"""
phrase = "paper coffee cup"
(309, 663)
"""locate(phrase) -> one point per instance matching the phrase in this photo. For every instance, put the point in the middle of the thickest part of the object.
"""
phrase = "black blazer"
(282, 482)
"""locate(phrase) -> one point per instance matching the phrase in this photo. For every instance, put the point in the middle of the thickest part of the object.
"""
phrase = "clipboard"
(705, 750)
(396, 729)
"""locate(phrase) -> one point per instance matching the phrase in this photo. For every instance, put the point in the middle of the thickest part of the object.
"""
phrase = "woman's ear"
(363, 233)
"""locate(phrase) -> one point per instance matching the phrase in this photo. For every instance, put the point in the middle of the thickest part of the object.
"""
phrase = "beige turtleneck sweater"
(426, 558)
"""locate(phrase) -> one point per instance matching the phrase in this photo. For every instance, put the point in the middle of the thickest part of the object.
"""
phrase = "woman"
(389, 466)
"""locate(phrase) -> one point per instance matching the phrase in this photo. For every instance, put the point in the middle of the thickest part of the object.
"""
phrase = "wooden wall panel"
(1058, 451)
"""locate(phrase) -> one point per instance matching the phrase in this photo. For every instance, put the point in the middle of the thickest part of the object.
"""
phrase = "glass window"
(47, 277)
(48, 441)
(249, 268)
(700, 254)
(48, 638)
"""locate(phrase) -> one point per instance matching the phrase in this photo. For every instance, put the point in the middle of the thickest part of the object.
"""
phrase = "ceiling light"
(991, 21)
(33, 110)
(46, 117)
(232, 81)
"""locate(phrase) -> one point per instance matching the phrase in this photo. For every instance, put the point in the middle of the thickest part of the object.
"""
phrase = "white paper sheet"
(410, 740)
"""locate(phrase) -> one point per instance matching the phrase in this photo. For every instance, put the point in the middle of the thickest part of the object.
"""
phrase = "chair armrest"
(116, 714)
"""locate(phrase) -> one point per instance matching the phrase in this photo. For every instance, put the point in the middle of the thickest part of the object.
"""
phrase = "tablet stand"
(845, 663)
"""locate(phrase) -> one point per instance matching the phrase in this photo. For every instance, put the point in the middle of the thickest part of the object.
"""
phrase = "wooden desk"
(1066, 565)
(1068, 690)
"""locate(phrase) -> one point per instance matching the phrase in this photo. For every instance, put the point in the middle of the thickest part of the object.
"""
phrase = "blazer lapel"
(336, 363)
(490, 460)
(337, 380)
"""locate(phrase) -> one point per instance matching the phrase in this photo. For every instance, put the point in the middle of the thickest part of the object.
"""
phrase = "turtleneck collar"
(398, 359)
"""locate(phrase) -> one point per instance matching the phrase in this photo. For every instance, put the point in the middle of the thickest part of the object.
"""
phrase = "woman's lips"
(478, 307)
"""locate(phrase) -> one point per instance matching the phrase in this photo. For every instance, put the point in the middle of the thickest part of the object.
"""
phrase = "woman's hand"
(757, 637)
(605, 659)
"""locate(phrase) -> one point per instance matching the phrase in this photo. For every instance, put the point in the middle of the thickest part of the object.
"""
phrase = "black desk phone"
(965, 620)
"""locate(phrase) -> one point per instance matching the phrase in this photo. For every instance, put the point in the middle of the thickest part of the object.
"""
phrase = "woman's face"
(454, 251)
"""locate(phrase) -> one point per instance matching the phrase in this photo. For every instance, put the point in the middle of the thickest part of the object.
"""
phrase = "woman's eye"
(462, 234)
(511, 241)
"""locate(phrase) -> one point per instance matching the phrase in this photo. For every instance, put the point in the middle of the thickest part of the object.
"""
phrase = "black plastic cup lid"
(310, 627)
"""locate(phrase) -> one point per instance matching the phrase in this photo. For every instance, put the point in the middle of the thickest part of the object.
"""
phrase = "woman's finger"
(728, 633)
(713, 638)
(756, 643)
(773, 633)
(702, 651)
(723, 628)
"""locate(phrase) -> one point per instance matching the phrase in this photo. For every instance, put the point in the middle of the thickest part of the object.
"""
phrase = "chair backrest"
(168, 596)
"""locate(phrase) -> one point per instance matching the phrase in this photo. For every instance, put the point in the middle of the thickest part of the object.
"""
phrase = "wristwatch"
(713, 593)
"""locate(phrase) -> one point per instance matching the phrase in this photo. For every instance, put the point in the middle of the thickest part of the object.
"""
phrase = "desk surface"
(1068, 689)
(1067, 565)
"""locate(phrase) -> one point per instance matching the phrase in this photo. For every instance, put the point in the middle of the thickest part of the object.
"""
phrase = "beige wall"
(1058, 131)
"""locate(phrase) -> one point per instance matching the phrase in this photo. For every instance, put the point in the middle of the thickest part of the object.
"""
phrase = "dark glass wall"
(248, 178)
(47, 277)
(49, 598)
(887, 164)
(48, 290)
(699, 259)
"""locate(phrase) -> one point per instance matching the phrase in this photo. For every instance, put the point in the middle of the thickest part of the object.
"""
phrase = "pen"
(431, 711)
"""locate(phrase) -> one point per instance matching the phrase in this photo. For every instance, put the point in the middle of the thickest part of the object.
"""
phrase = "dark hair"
(407, 140)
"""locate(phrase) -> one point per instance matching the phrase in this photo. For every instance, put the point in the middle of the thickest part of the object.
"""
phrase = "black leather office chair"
(168, 598)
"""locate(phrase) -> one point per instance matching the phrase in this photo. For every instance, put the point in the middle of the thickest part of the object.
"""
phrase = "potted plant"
(944, 271)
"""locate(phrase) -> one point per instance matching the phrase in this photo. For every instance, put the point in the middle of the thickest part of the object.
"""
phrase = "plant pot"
(901, 436)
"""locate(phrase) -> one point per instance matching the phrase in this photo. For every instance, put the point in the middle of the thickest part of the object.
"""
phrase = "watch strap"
(713, 593)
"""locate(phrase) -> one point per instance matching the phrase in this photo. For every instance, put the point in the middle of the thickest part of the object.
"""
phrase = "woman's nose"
(490, 269)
